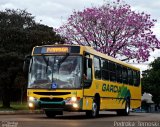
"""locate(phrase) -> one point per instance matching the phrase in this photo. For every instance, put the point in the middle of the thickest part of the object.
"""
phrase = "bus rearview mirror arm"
(26, 64)
(89, 63)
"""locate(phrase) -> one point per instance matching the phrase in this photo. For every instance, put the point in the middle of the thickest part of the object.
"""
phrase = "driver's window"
(87, 68)
(89, 72)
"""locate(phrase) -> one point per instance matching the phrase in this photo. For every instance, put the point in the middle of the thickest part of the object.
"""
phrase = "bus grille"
(51, 106)
(46, 99)
(52, 93)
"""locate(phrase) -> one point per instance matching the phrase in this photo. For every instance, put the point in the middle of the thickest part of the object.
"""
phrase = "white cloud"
(53, 13)
(7, 5)
(156, 29)
(141, 66)
(59, 10)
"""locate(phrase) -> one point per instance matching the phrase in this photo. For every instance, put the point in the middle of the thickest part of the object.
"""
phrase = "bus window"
(119, 73)
(112, 67)
(125, 75)
(136, 78)
(130, 77)
(104, 68)
(87, 70)
(97, 69)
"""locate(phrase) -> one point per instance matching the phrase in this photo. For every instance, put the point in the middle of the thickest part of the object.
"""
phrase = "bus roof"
(94, 52)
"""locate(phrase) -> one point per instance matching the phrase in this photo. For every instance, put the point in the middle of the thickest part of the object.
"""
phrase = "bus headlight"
(73, 99)
(31, 98)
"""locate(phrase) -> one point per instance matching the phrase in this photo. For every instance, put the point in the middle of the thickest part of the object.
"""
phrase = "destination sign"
(56, 50)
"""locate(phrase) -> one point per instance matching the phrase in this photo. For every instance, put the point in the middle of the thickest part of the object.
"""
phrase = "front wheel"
(95, 110)
(126, 111)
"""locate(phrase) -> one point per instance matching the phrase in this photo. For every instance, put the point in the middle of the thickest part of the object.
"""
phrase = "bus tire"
(126, 111)
(95, 109)
(50, 114)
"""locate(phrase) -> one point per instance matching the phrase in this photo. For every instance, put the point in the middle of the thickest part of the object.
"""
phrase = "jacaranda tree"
(113, 29)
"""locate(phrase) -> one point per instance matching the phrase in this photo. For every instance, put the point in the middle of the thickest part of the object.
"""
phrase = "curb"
(20, 112)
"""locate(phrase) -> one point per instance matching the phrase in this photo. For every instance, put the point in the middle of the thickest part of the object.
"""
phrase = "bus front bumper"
(57, 106)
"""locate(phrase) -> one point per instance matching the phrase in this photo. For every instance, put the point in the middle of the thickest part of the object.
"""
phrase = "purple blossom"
(113, 29)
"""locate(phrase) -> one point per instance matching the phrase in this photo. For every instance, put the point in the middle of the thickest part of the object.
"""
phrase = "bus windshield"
(51, 72)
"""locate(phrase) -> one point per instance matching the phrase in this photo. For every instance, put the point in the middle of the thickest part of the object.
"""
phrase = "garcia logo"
(111, 88)
(122, 91)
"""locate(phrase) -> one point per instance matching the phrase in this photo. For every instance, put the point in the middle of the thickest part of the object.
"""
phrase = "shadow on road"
(72, 117)
(83, 116)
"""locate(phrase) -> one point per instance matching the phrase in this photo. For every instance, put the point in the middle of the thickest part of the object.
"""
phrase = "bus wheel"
(126, 111)
(50, 114)
(95, 110)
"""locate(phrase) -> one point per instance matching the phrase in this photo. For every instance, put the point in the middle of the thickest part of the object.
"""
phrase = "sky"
(55, 12)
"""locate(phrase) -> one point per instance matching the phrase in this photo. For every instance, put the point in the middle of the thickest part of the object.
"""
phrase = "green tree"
(151, 80)
(18, 34)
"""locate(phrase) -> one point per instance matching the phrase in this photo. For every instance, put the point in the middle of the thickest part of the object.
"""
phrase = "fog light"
(75, 105)
(31, 105)
(31, 99)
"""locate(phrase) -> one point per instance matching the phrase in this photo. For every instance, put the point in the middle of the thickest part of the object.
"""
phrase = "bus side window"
(119, 73)
(136, 78)
(130, 77)
(112, 68)
(104, 68)
(97, 68)
(89, 74)
(87, 70)
(125, 75)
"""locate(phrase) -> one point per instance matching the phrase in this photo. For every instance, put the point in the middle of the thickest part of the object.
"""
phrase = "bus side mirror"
(26, 64)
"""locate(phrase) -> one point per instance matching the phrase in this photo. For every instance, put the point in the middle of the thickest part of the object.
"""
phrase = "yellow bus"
(78, 78)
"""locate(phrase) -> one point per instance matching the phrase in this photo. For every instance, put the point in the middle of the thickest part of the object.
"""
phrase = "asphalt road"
(106, 119)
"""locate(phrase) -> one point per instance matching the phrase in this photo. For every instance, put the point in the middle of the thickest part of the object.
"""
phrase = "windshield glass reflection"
(55, 72)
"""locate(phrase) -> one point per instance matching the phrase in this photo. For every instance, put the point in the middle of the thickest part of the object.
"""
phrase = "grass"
(15, 106)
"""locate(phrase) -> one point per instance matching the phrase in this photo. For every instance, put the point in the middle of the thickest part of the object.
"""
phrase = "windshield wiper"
(62, 60)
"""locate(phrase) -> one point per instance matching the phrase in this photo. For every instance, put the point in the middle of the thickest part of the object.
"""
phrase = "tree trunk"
(6, 98)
